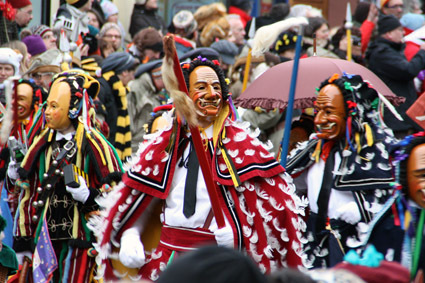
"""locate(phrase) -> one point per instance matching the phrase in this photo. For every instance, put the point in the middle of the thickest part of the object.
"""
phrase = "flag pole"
(290, 106)
(348, 26)
(251, 34)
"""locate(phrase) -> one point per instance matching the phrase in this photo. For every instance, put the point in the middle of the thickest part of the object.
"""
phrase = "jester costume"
(50, 223)
(398, 229)
(346, 180)
(263, 210)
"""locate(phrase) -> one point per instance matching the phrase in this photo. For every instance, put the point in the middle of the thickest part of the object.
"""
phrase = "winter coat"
(141, 18)
(387, 60)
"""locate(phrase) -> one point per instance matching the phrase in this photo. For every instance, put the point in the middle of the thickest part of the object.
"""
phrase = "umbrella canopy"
(271, 89)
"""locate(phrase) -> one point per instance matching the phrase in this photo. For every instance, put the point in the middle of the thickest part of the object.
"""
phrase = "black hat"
(213, 264)
(228, 51)
(286, 40)
(147, 67)
(206, 52)
(118, 62)
(387, 23)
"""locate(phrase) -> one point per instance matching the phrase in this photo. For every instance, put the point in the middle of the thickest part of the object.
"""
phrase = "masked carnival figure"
(262, 214)
(66, 167)
(343, 169)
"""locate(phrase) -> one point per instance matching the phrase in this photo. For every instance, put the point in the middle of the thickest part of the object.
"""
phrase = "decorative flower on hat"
(8, 11)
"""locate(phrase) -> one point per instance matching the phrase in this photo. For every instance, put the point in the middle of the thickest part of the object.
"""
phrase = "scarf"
(123, 133)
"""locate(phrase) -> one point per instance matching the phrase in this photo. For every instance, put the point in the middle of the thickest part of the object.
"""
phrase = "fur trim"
(266, 35)
(209, 13)
(183, 104)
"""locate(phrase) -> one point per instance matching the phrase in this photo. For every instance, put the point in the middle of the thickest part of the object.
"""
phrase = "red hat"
(17, 4)
(387, 271)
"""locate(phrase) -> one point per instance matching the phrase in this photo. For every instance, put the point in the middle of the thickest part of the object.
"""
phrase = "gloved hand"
(349, 213)
(224, 237)
(20, 256)
(12, 170)
(81, 193)
(132, 251)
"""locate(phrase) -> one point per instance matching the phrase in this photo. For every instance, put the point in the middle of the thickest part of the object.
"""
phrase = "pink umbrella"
(271, 89)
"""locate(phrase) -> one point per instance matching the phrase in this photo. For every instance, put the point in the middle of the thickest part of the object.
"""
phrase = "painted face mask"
(416, 175)
(58, 106)
(331, 115)
(205, 91)
(25, 95)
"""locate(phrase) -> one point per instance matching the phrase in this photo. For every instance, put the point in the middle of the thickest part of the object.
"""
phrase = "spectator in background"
(49, 38)
(35, 44)
(23, 14)
(147, 91)
(20, 47)
(96, 19)
(111, 11)
(147, 45)
(302, 10)
(212, 23)
(44, 67)
(237, 30)
(278, 12)
(109, 39)
(9, 63)
(242, 8)
(145, 14)
(392, 7)
(117, 71)
(318, 27)
(185, 29)
(228, 52)
(285, 45)
(72, 17)
(386, 59)
(339, 44)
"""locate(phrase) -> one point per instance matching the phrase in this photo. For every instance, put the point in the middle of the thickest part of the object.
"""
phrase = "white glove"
(12, 170)
(224, 237)
(20, 256)
(81, 193)
(132, 252)
(349, 213)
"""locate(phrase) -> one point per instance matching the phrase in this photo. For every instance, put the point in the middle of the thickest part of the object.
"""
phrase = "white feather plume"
(267, 35)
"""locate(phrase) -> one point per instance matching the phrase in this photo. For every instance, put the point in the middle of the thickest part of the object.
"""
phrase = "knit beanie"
(8, 56)
(35, 44)
(77, 3)
(387, 23)
(109, 8)
(412, 21)
(17, 4)
(40, 30)
(148, 38)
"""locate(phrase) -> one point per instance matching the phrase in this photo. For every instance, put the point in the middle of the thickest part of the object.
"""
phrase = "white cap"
(8, 56)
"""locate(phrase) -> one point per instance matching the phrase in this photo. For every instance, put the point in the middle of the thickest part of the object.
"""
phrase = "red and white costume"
(264, 212)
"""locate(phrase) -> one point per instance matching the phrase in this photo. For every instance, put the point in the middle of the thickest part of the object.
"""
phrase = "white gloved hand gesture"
(132, 251)
(80, 193)
(224, 237)
(21, 255)
(12, 170)
(349, 213)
